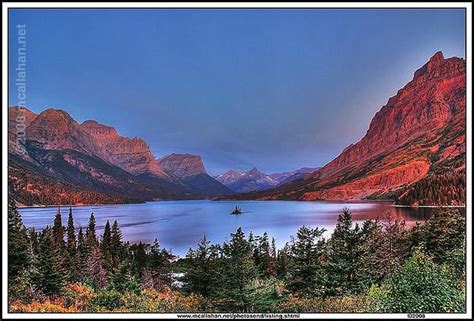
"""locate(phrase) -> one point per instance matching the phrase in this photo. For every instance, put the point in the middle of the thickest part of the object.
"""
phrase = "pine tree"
(262, 255)
(273, 265)
(95, 269)
(238, 271)
(139, 258)
(34, 242)
(282, 262)
(81, 256)
(17, 241)
(445, 231)
(306, 274)
(50, 275)
(158, 267)
(58, 231)
(106, 247)
(201, 272)
(342, 255)
(71, 235)
(91, 239)
(116, 245)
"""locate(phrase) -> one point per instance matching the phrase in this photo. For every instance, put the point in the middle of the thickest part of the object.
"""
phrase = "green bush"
(109, 299)
(419, 286)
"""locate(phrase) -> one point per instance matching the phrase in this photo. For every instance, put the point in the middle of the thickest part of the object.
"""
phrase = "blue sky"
(275, 89)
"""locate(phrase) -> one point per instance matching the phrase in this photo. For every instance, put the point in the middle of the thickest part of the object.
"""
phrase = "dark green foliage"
(116, 247)
(262, 255)
(342, 256)
(445, 232)
(81, 255)
(420, 286)
(282, 262)
(17, 241)
(71, 235)
(158, 267)
(91, 238)
(237, 271)
(58, 231)
(306, 274)
(49, 275)
(446, 189)
(106, 247)
(202, 264)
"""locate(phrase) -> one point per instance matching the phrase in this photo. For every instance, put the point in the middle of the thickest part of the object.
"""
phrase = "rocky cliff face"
(420, 132)
(189, 170)
(130, 154)
(55, 129)
(182, 165)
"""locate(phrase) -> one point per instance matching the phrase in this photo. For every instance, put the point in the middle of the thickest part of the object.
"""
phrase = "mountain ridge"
(417, 135)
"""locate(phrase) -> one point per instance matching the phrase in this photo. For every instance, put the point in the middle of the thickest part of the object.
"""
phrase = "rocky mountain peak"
(56, 129)
(99, 131)
(182, 165)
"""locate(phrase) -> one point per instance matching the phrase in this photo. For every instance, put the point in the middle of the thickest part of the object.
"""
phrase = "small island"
(237, 210)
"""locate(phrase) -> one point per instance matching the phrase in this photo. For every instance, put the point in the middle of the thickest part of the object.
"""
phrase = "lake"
(179, 225)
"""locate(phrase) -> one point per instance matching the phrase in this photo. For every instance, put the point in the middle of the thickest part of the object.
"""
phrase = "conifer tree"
(106, 246)
(91, 238)
(71, 235)
(17, 241)
(306, 273)
(58, 231)
(201, 274)
(445, 231)
(81, 255)
(50, 275)
(237, 271)
(159, 266)
(262, 256)
(95, 269)
(282, 262)
(115, 245)
(342, 256)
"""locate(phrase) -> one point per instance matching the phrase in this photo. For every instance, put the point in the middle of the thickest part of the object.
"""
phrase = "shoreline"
(211, 200)
(431, 206)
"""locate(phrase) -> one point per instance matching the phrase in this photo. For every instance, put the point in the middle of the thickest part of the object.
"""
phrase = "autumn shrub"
(78, 295)
(151, 300)
(347, 304)
(48, 306)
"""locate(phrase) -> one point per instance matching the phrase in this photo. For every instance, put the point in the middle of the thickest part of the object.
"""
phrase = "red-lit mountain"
(413, 151)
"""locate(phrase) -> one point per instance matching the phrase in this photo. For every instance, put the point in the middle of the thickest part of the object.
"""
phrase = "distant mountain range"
(254, 180)
(66, 162)
(413, 152)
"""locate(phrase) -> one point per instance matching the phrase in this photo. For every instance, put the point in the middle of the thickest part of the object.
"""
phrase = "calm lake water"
(179, 225)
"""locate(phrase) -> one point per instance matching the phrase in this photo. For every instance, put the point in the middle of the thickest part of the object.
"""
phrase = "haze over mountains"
(413, 152)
